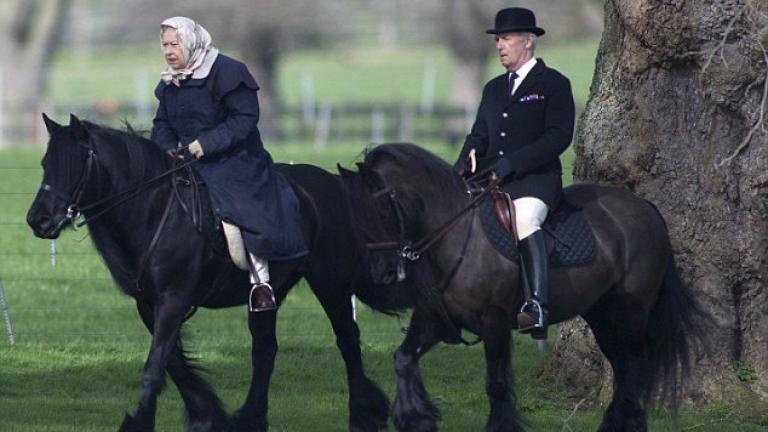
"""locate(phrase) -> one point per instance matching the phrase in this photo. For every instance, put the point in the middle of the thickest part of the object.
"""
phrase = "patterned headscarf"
(195, 43)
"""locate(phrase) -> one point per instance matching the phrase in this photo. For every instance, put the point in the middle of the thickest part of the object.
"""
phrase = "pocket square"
(531, 97)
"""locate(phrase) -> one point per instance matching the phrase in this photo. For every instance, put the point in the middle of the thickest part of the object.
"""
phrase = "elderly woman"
(208, 105)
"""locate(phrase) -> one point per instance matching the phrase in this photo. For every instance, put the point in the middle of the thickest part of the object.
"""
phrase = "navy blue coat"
(531, 129)
(221, 111)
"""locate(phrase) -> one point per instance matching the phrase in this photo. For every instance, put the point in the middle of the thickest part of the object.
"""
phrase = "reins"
(126, 194)
(413, 251)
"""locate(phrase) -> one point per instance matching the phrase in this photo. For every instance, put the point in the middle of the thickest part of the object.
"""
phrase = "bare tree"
(30, 33)
(677, 113)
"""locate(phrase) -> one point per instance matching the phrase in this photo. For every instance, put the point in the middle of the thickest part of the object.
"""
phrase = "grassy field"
(80, 347)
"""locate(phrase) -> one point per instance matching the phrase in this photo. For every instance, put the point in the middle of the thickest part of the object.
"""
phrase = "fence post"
(427, 104)
(2, 105)
(307, 98)
(142, 92)
(6, 314)
(53, 253)
(377, 126)
(323, 125)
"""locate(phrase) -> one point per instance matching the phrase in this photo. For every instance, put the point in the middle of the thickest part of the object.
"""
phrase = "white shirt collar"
(522, 72)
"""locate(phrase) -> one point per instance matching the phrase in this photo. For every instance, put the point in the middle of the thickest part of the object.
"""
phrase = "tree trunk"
(31, 35)
(676, 114)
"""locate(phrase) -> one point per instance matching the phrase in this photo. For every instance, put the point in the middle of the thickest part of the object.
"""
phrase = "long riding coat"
(222, 112)
(531, 128)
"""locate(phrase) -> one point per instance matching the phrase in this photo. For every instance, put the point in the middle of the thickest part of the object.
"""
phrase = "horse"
(141, 223)
(644, 319)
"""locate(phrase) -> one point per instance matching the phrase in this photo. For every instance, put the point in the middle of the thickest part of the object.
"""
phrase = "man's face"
(514, 49)
(174, 55)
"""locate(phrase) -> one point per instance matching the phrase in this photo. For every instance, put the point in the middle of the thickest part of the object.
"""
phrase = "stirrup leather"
(257, 308)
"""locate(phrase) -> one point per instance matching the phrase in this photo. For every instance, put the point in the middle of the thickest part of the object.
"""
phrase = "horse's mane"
(141, 156)
(429, 171)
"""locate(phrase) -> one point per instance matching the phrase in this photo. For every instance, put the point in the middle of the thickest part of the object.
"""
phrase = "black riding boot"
(533, 316)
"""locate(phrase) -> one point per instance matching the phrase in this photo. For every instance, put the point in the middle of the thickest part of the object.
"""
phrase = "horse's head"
(67, 165)
(394, 189)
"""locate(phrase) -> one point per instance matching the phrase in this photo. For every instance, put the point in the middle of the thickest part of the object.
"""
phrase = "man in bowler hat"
(524, 122)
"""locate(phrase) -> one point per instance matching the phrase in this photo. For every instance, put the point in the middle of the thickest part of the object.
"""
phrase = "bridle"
(75, 210)
(412, 251)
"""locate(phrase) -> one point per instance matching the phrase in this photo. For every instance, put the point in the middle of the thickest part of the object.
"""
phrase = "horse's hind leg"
(368, 405)
(412, 410)
(204, 410)
(619, 328)
(496, 340)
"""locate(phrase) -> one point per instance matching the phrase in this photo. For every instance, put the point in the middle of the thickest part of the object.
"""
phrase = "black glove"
(503, 168)
(462, 167)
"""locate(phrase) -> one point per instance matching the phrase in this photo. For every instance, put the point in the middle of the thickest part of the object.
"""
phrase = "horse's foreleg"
(368, 405)
(412, 410)
(204, 410)
(498, 386)
(252, 416)
(168, 315)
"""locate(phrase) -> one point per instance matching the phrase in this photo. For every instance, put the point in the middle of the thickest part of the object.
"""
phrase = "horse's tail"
(676, 326)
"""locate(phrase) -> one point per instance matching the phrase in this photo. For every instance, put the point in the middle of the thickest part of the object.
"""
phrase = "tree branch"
(566, 426)
(721, 45)
(760, 117)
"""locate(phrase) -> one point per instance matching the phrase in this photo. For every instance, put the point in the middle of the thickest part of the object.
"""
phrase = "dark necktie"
(512, 78)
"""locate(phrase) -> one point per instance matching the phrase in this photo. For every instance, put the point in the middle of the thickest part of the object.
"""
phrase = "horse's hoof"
(238, 423)
(130, 424)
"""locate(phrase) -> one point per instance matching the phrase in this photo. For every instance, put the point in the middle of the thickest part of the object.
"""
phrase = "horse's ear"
(345, 173)
(51, 125)
(78, 128)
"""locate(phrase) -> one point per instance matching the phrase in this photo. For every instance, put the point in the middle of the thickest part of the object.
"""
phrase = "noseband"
(73, 209)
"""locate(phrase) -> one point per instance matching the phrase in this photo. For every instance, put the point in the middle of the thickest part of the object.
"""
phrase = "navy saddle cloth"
(570, 239)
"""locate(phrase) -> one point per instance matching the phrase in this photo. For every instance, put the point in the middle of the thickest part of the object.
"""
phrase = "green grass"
(80, 346)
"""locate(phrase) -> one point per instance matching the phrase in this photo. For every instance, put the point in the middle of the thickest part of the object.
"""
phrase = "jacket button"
(501, 152)
(505, 115)
(503, 134)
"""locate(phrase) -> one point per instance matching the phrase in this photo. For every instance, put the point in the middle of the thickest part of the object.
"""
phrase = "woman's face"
(172, 51)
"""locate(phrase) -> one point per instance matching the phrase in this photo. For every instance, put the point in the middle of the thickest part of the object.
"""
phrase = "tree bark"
(677, 114)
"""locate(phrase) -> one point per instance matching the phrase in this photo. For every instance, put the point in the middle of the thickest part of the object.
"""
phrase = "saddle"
(193, 196)
(570, 240)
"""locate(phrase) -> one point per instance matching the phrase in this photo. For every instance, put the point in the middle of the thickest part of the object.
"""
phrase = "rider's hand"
(196, 149)
(503, 168)
(466, 167)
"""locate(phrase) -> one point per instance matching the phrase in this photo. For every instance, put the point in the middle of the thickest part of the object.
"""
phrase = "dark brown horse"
(644, 319)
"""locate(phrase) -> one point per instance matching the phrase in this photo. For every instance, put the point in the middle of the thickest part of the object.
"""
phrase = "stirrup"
(532, 319)
(260, 308)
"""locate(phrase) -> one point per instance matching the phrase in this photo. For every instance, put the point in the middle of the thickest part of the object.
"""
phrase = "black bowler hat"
(515, 20)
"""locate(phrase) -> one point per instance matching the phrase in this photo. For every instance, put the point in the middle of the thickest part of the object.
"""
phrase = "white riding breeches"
(530, 214)
(259, 269)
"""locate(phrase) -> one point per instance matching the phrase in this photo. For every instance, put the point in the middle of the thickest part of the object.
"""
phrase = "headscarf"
(195, 43)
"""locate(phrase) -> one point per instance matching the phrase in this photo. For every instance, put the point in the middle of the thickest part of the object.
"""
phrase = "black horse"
(156, 254)
(643, 318)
